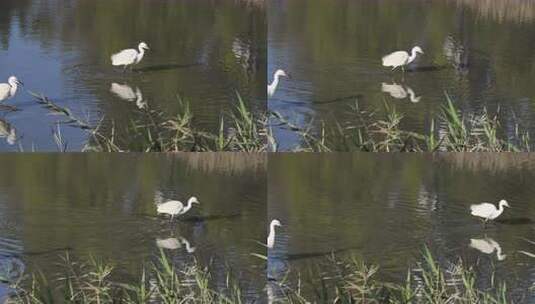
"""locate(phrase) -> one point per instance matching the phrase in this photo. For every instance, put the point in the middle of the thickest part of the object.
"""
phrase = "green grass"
(240, 130)
(152, 130)
(428, 283)
(349, 281)
(381, 131)
(94, 282)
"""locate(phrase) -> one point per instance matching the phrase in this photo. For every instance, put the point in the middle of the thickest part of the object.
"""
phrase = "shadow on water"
(196, 219)
(166, 67)
(320, 102)
(8, 108)
(515, 221)
(50, 251)
(427, 68)
(308, 255)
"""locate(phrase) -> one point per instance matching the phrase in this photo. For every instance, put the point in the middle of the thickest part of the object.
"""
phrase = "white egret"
(488, 246)
(488, 211)
(9, 89)
(175, 207)
(401, 58)
(129, 57)
(271, 236)
(126, 92)
(271, 88)
(400, 92)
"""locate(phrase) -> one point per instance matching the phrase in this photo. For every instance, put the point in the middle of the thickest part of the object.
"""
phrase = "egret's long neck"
(412, 57)
(271, 236)
(139, 96)
(140, 54)
(188, 206)
(500, 210)
(275, 82)
(14, 87)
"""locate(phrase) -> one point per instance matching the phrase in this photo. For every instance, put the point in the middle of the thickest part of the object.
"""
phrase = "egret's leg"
(124, 68)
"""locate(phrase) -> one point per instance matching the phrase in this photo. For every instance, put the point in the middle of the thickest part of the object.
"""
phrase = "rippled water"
(479, 52)
(204, 51)
(385, 209)
(104, 206)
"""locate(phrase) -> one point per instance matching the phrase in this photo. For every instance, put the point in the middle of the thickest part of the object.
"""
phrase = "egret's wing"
(124, 57)
(170, 207)
(395, 59)
(4, 91)
(482, 207)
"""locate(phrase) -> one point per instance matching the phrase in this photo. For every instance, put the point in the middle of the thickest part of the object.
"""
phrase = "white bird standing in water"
(129, 56)
(401, 58)
(9, 89)
(175, 207)
(488, 211)
(271, 236)
(271, 88)
(488, 246)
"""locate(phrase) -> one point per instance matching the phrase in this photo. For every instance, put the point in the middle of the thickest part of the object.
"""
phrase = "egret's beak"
(20, 83)
(289, 76)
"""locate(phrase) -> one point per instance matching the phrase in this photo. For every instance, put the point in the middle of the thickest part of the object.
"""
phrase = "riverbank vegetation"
(380, 130)
(428, 282)
(353, 282)
(156, 131)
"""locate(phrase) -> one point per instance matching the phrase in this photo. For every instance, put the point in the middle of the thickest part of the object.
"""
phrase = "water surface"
(203, 51)
(479, 52)
(104, 206)
(384, 209)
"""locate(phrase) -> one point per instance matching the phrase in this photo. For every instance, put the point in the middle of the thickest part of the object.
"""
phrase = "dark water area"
(203, 51)
(478, 52)
(385, 209)
(103, 206)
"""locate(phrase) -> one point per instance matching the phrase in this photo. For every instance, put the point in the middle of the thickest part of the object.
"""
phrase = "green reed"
(381, 131)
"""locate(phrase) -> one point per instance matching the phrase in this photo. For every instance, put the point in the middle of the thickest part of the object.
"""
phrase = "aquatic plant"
(428, 282)
(157, 131)
(94, 281)
(354, 281)
(380, 131)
